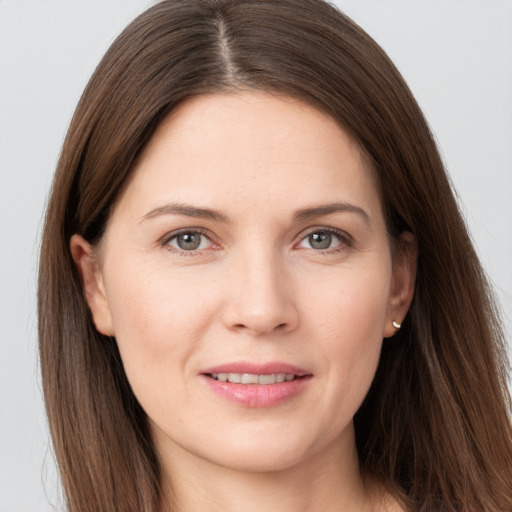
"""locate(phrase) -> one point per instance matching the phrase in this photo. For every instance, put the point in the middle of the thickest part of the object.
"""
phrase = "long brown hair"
(435, 426)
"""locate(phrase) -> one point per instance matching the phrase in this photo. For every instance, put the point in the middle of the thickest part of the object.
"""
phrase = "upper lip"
(257, 369)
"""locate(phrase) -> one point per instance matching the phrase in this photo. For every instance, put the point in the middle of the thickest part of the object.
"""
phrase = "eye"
(189, 241)
(324, 239)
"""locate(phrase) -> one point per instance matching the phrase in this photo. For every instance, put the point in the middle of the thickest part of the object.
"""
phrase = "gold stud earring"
(396, 325)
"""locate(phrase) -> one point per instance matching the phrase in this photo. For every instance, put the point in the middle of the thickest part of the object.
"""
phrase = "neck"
(326, 481)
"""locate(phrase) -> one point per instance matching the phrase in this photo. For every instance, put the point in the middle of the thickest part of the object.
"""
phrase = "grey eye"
(189, 241)
(320, 240)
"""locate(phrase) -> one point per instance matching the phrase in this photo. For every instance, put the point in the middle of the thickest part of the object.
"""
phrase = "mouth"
(257, 385)
(254, 378)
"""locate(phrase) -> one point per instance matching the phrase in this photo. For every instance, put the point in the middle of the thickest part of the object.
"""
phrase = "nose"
(260, 298)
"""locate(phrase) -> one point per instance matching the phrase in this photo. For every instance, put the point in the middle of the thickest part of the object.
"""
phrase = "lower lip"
(258, 395)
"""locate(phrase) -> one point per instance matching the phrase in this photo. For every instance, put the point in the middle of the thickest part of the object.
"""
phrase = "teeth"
(235, 378)
(251, 378)
(267, 379)
(248, 378)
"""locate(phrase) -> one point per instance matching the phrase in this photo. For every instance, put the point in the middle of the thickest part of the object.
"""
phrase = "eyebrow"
(214, 215)
(327, 209)
(187, 210)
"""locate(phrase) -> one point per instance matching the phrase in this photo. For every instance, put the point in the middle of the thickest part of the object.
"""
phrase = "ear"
(402, 282)
(92, 281)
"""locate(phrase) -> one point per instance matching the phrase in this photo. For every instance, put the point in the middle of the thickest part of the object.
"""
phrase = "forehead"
(250, 150)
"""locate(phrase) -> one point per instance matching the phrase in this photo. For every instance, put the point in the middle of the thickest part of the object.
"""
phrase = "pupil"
(320, 240)
(189, 241)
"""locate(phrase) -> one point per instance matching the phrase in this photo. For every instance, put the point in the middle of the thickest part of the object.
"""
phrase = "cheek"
(148, 300)
(158, 321)
(351, 303)
(349, 322)
(353, 346)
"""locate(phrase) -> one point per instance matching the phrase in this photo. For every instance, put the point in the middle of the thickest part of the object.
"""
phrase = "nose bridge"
(261, 301)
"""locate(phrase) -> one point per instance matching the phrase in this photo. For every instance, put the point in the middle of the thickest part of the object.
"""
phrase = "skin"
(257, 289)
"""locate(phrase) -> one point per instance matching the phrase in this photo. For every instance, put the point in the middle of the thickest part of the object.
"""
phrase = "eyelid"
(345, 238)
(166, 239)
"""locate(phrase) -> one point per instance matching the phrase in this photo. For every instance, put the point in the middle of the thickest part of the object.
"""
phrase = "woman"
(256, 288)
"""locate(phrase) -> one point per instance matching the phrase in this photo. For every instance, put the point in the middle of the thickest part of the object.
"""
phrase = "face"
(247, 277)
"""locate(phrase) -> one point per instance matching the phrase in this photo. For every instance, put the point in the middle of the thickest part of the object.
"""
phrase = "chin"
(261, 452)
(259, 460)
(254, 451)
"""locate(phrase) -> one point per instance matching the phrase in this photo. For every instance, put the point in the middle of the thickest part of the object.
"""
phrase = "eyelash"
(182, 252)
(345, 241)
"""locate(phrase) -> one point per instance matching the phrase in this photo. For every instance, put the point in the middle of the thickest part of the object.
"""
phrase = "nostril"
(279, 327)
(260, 314)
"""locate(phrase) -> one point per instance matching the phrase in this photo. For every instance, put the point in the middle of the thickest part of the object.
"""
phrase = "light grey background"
(456, 56)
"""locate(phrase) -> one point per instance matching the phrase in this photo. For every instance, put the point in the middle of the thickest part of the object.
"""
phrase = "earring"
(396, 325)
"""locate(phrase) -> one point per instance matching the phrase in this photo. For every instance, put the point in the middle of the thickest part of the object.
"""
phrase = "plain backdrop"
(455, 55)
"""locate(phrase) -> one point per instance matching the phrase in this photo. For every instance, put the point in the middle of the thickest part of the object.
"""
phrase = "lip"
(258, 369)
(257, 395)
